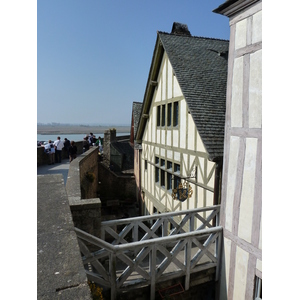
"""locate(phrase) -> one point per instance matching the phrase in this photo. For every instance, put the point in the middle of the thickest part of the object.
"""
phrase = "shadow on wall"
(222, 287)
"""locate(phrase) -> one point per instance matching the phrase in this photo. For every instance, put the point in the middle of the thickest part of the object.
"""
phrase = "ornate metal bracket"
(184, 190)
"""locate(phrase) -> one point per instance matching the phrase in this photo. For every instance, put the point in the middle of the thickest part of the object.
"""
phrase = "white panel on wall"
(232, 169)
(177, 89)
(247, 196)
(182, 109)
(169, 154)
(158, 91)
(170, 79)
(177, 156)
(164, 78)
(241, 34)
(191, 133)
(209, 198)
(257, 27)
(237, 93)
(175, 139)
(163, 137)
(159, 138)
(200, 146)
(255, 90)
(240, 278)
(169, 138)
(162, 152)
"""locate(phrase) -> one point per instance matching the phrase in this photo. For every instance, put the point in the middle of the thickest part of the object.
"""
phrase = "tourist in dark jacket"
(67, 145)
(72, 151)
(86, 145)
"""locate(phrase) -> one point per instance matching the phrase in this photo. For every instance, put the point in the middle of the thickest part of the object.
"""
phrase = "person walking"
(72, 151)
(58, 145)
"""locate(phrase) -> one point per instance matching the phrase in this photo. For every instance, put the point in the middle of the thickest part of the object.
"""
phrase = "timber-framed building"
(181, 126)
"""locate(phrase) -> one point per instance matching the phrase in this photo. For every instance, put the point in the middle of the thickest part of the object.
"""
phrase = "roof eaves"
(150, 88)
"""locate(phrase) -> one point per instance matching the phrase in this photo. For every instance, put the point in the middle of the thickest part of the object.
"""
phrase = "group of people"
(54, 149)
(91, 140)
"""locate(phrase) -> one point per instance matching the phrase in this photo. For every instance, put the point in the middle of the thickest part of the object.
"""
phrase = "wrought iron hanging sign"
(182, 192)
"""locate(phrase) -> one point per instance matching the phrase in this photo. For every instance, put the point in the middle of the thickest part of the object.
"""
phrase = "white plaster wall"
(257, 27)
(240, 277)
(259, 265)
(191, 133)
(210, 166)
(237, 93)
(182, 124)
(255, 90)
(176, 88)
(170, 81)
(169, 138)
(247, 196)
(164, 78)
(200, 145)
(232, 170)
(241, 34)
(175, 139)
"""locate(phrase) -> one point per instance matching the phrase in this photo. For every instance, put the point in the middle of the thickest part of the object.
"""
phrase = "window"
(169, 165)
(162, 163)
(163, 115)
(157, 169)
(158, 116)
(176, 178)
(162, 178)
(156, 174)
(169, 181)
(169, 121)
(175, 114)
(146, 165)
(257, 288)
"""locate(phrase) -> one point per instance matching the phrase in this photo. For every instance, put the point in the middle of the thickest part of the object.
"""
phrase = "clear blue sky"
(93, 57)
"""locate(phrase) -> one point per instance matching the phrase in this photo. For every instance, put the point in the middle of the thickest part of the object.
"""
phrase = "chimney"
(180, 29)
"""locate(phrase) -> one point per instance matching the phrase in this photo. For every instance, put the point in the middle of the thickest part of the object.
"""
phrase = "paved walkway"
(60, 273)
(62, 168)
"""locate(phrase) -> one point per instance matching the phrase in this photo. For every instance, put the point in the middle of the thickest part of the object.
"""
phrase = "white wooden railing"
(138, 254)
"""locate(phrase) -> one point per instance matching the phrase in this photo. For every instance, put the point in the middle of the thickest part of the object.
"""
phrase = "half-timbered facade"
(242, 182)
(181, 127)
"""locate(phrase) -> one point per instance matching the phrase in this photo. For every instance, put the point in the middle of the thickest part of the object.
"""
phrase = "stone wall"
(43, 159)
(113, 186)
(82, 193)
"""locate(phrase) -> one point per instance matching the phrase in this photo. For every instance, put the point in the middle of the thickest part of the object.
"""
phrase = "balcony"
(145, 251)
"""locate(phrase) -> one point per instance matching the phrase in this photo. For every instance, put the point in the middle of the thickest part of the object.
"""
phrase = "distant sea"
(72, 137)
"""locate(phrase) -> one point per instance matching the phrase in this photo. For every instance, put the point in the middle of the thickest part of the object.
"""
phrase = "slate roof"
(136, 111)
(200, 65)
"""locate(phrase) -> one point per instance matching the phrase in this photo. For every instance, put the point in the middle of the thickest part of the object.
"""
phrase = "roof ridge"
(192, 36)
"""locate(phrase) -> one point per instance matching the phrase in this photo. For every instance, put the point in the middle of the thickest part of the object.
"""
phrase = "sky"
(93, 57)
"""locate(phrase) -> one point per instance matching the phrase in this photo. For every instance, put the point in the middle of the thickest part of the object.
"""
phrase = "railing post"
(192, 222)
(218, 253)
(152, 265)
(113, 276)
(188, 248)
